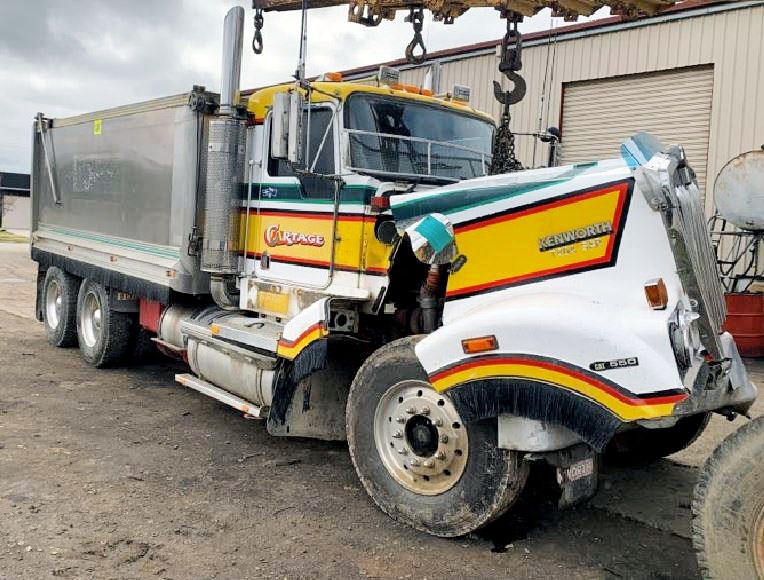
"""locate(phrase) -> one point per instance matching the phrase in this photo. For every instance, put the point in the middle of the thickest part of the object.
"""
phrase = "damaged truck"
(332, 258)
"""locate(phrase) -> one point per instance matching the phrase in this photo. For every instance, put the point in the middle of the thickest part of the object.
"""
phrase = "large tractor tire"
(728, 507)
(642, 445)
(104, 334)
(59, 307)
(416, 458)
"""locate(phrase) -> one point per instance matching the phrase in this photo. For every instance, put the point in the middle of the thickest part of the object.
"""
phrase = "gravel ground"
(125, 474)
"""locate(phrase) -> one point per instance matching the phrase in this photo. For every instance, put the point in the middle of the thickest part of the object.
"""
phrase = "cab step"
(250, 410)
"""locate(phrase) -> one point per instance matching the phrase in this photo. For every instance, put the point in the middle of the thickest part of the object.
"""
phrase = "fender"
(304, 329)
(567, 335)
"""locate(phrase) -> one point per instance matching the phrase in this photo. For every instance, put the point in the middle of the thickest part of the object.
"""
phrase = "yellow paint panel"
(261, 101)
(514, 239)
(301, 237)
(272, 302)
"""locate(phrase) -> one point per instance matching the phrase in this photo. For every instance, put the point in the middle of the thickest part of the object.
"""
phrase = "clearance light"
(461, 93)
(426, 92)
(380, 203)
(334, 77)
(389, 76)
(656, 294)
(479, 344)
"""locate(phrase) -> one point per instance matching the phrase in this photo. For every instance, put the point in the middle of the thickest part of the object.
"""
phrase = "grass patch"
(12, 238)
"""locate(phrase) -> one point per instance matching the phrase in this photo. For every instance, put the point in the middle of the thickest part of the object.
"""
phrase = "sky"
(67, 57)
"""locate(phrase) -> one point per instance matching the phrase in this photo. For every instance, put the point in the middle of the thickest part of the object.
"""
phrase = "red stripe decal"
(561, 369)
(541, 208)
(290, 343)
(321, 263)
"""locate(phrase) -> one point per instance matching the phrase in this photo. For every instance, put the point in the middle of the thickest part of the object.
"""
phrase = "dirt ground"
(126, 474)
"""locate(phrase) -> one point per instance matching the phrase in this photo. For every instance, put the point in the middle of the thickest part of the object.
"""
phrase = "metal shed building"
(693, 74)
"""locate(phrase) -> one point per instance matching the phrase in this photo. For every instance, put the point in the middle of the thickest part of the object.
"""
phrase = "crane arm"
(371, 12)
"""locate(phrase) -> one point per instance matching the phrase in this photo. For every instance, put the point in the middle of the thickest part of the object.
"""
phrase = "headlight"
(685, 340)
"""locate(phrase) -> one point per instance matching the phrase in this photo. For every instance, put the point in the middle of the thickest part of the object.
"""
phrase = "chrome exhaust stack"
(233, 44)
(225, 161)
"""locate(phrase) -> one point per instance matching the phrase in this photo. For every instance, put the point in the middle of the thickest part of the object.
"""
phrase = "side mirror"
(286, 126)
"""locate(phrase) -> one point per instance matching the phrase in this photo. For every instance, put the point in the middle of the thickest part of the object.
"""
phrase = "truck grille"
(701, 255)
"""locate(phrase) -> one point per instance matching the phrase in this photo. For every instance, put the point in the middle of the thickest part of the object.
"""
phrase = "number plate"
(576, 471)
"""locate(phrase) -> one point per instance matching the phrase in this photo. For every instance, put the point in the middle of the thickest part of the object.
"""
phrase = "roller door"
(673, 105)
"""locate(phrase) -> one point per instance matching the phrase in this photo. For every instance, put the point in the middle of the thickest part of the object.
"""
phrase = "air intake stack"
(225, 159)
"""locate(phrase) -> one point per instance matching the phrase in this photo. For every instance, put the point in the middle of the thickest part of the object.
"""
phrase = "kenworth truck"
(333, 259)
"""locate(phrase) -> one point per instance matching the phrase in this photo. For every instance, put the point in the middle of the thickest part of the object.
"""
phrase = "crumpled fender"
(548, 347)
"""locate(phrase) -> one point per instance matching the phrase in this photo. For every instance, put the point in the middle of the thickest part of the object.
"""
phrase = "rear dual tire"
(59, 307)
(419, 463)
(104, 334)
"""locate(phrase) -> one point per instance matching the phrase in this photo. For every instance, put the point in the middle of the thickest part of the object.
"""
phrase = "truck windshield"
(406, 139)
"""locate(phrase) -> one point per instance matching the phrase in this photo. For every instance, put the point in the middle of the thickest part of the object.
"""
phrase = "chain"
(416, 17)
(257, 41)
(504, 159)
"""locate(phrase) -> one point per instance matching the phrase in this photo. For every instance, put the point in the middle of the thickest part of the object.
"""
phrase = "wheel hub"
(53, 304)
(91, 319)
(420, 438)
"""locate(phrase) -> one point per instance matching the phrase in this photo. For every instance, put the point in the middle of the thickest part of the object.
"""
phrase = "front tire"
(417, 460)
(103, 333)
(59, 311)
(728, 507)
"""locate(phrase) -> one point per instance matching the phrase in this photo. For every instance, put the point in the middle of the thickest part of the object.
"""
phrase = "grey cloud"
(65, 57)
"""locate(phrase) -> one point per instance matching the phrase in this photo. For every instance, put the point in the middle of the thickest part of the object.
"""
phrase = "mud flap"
(577, 473)
(311, 400)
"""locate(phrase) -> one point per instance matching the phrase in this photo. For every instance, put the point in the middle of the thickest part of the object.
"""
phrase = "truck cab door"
(291, 222)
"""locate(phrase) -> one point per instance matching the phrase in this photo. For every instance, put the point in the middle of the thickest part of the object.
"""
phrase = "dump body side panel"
(122, 191)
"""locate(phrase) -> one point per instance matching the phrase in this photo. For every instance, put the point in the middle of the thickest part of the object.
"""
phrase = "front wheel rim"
(420, 438)
(53, 301)
(91, 319)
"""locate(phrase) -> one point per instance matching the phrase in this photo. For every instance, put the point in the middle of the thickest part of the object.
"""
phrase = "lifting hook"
(416, 17)
(510, 63)
(257, 41)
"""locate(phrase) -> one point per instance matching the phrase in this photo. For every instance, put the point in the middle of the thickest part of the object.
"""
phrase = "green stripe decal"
(159, 251)
(456, 200)
(292, 193)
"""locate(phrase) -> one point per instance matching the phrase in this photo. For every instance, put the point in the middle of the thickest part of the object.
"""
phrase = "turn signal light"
(656, 294)
(479, 344)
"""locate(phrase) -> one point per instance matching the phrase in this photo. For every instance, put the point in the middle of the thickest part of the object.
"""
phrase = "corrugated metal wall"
(730, 40)
(594, 124)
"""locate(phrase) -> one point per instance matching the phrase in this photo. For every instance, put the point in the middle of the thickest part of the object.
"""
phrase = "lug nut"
(411, 410)
(415, 463)
(438, 422)
(401, 419)
(398, 435)
(425, 411)
(429, 463)
(403, 451)
(444, 438)
(440, 455)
